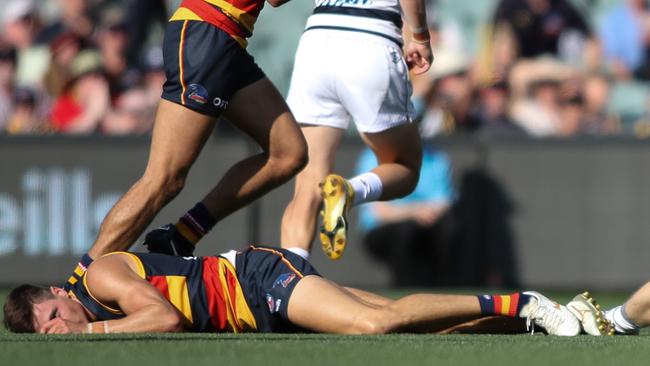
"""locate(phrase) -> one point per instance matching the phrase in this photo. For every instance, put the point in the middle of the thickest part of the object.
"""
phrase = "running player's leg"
(260, 111)
(178, 136)
(301, 215)
(399, 154)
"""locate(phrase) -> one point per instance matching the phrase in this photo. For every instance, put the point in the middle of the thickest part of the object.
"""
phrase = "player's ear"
(58, 291)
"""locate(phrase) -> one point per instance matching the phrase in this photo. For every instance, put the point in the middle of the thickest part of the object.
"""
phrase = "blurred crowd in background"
(540, 68)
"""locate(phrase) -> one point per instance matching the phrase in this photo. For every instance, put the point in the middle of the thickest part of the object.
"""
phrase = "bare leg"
(399, 153)
(323, 306)
(261, 112)
(301, 215)
(637, 307)
(178, 136)
(369, 297)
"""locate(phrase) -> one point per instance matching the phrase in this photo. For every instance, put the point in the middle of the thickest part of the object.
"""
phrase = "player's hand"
(418, 57)
(60, 326)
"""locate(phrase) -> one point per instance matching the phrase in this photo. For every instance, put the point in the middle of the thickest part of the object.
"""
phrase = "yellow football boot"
(338, 196)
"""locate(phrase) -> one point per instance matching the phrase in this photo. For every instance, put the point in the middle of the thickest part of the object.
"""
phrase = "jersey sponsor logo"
(197, 93)
(284, 279)
(220, 103)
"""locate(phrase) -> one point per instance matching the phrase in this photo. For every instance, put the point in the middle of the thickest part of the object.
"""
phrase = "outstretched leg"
(320, 305)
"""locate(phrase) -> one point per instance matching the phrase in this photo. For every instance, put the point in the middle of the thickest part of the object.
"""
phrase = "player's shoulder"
(114, 262)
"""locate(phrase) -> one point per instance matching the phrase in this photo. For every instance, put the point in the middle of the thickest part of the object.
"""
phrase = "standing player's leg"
(260, 111)
(320, 305)
(301, 215)
(178, 137)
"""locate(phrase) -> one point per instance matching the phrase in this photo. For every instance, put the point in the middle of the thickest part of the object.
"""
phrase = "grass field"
(317, 349)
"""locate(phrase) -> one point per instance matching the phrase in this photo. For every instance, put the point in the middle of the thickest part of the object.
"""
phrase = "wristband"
(90, 329)
(421, 37)
(418, 30)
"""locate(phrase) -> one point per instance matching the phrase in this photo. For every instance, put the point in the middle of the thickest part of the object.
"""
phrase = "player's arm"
(417, 50)
(113, 281)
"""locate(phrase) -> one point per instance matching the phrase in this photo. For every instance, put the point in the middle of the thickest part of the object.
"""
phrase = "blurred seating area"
(537, 68)
(80, 66)
(503, 68)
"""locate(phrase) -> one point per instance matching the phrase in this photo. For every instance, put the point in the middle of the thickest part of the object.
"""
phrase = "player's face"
(60, 306)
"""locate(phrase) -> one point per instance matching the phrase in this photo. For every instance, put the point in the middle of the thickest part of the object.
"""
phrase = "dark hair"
(19, 307)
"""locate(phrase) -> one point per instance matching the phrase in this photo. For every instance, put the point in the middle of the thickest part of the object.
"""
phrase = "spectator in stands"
(597, 120)
(419, 222)
(7, 82)
(130, 115)
(113, 42)
(540, 113)
(539, 88)
(20, 26)
(492, 111)
(625, 34)
(449, 98)
(74, 18)
(538, 25)
(86, 98)
(25, 118)
(140, 18)
(64, 50)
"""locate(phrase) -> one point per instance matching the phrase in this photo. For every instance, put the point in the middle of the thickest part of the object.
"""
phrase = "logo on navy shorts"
(273, 304)
(284, 279)
(197, 93)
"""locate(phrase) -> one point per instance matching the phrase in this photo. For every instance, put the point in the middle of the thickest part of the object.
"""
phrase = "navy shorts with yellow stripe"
(205, 66)
(268, 277)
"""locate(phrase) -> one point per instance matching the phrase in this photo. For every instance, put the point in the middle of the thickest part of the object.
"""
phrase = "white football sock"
(367, 188)
(622, 323)
(301, 252)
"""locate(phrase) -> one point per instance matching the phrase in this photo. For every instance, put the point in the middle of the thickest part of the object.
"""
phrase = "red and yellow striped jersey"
(205, 290)
(236, 17)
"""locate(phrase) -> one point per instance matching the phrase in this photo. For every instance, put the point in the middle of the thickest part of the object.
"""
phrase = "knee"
(290, 161)
(371, 324)
(167, 184)
(412, 178)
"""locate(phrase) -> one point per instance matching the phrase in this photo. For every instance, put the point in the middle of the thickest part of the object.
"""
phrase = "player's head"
(28, 307)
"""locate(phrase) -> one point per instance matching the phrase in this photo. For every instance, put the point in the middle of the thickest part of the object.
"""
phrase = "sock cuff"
(626, 317)
(367, 187)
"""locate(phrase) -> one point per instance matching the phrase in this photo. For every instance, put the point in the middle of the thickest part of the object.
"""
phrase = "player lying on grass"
(627, 318)
(258, 289)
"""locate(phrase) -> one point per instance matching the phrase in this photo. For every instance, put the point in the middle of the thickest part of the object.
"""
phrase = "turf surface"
(316, 349)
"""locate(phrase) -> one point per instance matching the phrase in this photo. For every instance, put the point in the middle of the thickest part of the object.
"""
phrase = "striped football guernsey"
(235, 17)
(205, 290)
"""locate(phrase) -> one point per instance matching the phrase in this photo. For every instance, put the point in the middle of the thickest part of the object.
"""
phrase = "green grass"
(316, 349)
